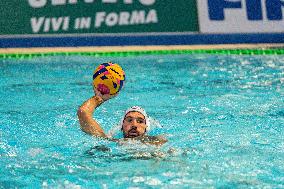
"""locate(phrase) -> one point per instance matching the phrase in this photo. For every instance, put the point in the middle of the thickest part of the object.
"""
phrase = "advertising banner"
(241, 16)
(42, 17)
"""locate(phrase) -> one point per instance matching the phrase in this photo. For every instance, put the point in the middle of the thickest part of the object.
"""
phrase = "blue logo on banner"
(253, 8)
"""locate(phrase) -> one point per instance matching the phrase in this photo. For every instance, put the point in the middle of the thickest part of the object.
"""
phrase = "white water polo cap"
(140, 110)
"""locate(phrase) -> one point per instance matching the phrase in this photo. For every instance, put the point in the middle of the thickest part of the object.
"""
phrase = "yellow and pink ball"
(108, 78)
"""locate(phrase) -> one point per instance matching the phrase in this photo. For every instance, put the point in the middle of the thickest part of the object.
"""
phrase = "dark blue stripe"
(105, 64)
(188, 39)
(121, 84)
(99, 72)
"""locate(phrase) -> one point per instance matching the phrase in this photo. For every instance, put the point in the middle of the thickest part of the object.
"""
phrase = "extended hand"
(105, 97)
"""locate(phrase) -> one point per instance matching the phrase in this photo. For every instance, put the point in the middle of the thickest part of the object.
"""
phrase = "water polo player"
(135, 123)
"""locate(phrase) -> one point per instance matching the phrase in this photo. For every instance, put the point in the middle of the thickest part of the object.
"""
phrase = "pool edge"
(239, 49)
(136, 48)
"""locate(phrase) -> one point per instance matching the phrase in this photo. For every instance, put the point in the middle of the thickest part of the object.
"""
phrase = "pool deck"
(136, 48)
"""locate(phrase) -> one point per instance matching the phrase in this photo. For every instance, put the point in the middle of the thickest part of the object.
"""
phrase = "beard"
(132, 133)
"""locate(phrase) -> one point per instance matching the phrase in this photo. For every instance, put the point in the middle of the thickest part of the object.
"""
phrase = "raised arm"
(85, 115)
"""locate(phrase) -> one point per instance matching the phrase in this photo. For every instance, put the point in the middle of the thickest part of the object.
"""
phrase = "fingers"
(105, 97)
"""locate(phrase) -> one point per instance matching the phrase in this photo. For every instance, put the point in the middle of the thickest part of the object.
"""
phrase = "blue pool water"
(223, 116)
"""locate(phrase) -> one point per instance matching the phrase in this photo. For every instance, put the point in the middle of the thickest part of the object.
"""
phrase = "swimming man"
(134, 124)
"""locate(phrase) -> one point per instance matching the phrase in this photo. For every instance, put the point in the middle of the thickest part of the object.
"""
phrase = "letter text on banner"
(241, 16)
(102, 17)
